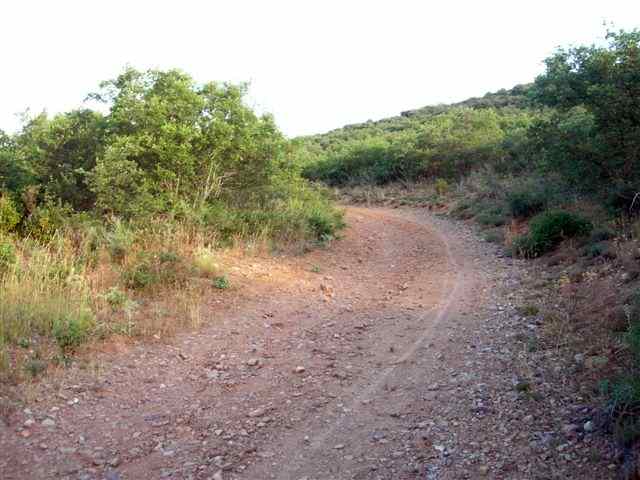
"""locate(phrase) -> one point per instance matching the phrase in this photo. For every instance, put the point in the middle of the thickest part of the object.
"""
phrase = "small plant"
(525, 203)
(35, 366)
(548, 229)
(47, 219)
(221, 282)
(491, 219)
(169, 257)
(165, 268)
(7, 257)
(597, 250)
(528, 310)
(601, 234)
(441, 186)
(205, 262)
(116, 298)
(119, 241)
(494, 236)
(24, 343)
(71, 330)
(9, 215)
(322, 225)
(139, 275)
(315, 268)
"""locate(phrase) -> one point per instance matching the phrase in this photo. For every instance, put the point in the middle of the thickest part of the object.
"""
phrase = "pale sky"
(316, 65)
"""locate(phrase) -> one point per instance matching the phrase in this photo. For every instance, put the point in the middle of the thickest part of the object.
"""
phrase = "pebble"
(258, 412)
(48, 422)
(300, 369)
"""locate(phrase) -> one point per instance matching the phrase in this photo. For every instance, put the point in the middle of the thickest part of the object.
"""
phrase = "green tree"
(14, 176)
(188, 141)
(594, 139)
(61, 151)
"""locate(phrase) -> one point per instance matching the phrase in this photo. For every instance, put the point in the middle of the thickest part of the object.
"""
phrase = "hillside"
(514, 98)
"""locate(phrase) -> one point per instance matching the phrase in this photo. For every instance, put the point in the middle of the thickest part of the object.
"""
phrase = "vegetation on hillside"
(98, 210)
(579, 120)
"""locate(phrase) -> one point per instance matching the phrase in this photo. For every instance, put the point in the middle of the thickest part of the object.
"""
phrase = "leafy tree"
(198, 142)
(594, 139)
(14, 176)
(61, 152)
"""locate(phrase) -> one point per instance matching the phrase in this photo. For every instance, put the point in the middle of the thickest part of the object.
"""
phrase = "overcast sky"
(316, 65)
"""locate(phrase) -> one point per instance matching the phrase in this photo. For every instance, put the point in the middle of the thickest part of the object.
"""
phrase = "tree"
(61, 151)
(595, 136)
(189, 141)
(14, 176)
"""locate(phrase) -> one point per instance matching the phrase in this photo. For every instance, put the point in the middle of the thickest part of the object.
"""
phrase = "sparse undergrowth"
(89, 281)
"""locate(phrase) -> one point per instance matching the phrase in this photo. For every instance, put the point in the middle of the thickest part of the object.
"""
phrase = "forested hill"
(578, 121)
(517, 97)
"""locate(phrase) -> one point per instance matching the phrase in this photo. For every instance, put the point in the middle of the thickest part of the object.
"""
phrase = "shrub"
(140, 274)
(494, 236)
(322, 225)
(221, 282)
(119, 241)
(116, 298)
(548, 229)
(205, 262)
(7, 256)
(528, 310)
(120, 186)
(35, 366)
(165, 268)
(70, 330)
(525, 203)
(491, 219)
(9, 215)
(45, 297)
(601, 234)
(595, 249)
(47, 219)
(441, 186)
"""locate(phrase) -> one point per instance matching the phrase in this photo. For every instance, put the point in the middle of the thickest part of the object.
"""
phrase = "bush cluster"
(548, 229)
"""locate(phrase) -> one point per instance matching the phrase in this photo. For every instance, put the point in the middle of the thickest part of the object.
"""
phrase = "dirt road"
(393, 359)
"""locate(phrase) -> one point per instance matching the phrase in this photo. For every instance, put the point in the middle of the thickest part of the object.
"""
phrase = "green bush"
(525, 203)
(71, 330)
(322, 224)
(441, 186)
(494, 236)
(595, 250)
(491, 219)
(593, 139)
(116, 298)
(119, 240)
(548, 229)
(601, 234)
(9, 215)
(221, 282)
(47, 219)
(7, 256)
(165, 268)
(140, 274)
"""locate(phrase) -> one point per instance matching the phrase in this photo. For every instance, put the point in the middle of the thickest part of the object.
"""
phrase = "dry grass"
(57, 297)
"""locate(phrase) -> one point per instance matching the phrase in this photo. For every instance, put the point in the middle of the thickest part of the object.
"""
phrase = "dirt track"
(392, 362)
